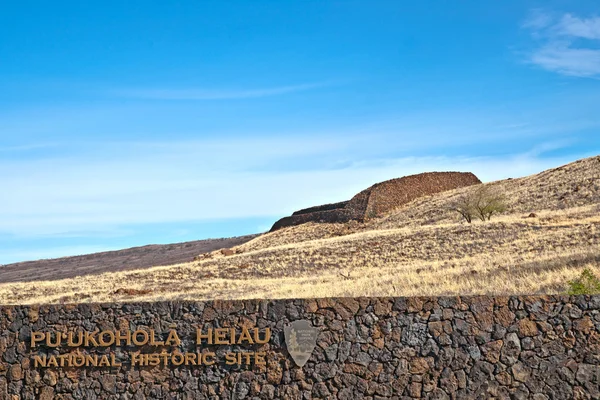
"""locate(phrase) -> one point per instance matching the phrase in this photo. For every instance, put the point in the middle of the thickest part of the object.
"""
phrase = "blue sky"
(130, 123)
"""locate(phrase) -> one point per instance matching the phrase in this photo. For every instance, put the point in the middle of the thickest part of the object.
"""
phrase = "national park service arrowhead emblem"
(301, 339)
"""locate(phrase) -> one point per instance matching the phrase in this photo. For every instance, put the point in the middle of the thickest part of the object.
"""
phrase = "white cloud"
(538, 19)
(561, 48)
(213, 94)
(587, 28)
(55, 197)
(566, 60)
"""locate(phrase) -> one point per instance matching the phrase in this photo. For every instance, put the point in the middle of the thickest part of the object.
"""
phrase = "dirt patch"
(131, 292)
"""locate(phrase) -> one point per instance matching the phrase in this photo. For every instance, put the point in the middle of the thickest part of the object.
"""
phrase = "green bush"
(587, 283)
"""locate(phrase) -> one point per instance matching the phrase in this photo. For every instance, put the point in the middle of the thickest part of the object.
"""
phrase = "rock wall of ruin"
(380, 198)
(386, 196)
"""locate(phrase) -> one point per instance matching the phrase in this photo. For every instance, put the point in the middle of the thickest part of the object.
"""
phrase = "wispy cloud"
(567, 44)
(587, 28)
(57, 197)
(538, 19)
(213, 94)
(562, 58)
(27, 147)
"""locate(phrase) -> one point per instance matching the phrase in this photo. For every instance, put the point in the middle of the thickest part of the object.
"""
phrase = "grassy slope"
(420, 249)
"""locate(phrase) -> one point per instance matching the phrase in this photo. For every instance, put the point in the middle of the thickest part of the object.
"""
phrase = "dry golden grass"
(420, 249)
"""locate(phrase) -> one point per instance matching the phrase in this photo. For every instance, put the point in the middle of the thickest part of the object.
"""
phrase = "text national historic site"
(141, 338)
(464, 347)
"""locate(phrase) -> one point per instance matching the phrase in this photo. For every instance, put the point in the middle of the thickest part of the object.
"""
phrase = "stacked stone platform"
(380, 198)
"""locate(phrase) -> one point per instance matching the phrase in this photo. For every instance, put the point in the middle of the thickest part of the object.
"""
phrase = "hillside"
(421, 248)
(113, 261)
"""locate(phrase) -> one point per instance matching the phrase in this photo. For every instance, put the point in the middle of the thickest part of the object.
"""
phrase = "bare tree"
(488, 202)
(481, 203)
(463, 205)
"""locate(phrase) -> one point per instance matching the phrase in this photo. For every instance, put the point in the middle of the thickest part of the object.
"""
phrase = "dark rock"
(479, 348)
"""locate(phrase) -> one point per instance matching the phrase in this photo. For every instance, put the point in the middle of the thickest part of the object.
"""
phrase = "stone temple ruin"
(380, 198)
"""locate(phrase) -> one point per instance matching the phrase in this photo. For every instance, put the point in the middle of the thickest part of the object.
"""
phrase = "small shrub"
(481, 203)
(464, 206)
(587, 283)
(488, 202)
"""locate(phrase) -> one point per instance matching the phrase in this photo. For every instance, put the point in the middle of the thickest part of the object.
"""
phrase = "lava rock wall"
(386, 196)
(536, 347)
(380, 198)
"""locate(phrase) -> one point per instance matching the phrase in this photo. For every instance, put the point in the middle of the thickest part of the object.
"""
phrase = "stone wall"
(367, 348)
(333, 216)
(380, 198)
(324, 207)
(386, 196)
